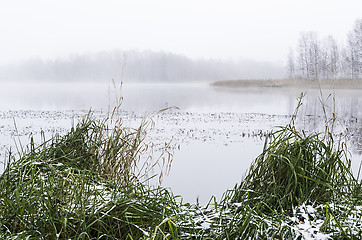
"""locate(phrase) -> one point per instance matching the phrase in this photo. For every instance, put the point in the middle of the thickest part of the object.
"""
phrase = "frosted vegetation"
(89, 184)
(92, 182)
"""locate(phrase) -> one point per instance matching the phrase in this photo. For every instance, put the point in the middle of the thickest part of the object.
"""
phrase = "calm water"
(199, 169)
(141, 97)
(152, 97)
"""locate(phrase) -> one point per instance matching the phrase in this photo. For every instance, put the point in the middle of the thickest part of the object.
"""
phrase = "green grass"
(88, 184)
(296, 168)
(84, 185)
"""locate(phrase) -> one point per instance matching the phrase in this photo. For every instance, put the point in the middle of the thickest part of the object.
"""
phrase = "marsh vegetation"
(292, 83)
(90, 184)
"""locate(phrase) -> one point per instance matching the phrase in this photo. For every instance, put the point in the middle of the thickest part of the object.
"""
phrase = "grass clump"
(84, 185)
(89, 184)
(296, 168)
(298, 178)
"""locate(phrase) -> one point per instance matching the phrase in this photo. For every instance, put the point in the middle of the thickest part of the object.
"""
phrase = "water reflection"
(343, 105)
(202, 169)
(140, 97)
(199, 98)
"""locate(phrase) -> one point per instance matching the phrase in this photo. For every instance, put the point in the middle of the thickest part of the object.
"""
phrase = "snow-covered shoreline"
(199, 140)
(221, 130)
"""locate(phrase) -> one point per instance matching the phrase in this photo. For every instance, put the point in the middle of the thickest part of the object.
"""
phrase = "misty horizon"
(138, 66)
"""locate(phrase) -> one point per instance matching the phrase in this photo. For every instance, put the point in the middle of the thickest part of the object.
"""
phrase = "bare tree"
(309, 50)
(314, 55)
(316, 59)
(330, 58)
(334, 57)
(291, 64)
(354, 50)
(344, 64)
(303, 65)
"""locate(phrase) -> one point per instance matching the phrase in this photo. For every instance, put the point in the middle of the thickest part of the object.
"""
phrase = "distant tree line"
(316, 59)
(138, 66)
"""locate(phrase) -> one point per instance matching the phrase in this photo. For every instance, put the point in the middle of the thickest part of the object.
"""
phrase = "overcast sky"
(254, 29)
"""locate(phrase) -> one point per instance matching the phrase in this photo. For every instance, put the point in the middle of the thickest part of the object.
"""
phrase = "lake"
(217, 132)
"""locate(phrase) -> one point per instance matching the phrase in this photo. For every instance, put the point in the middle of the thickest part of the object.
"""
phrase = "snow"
(307, 223)
(187, 131)
(182, 128)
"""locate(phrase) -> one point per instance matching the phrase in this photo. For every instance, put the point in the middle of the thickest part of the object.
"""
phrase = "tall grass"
(296, 168)
(84, 185)
(89, 184)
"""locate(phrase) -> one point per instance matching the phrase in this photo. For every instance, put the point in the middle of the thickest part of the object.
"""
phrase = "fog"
(58, 59)
(262, 30)
(173, 41)
(137, 66)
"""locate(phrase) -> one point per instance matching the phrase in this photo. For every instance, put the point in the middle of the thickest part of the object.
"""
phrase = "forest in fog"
(312, 58)
(326, 59)
(138, 66)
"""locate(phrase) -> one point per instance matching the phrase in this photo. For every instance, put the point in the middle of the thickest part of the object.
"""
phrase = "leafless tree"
(354, 50)
(291, 64)
(330, 57)
(318, 59)
(309, 50)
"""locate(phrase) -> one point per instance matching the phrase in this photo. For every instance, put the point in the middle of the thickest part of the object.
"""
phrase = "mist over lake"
(181, 119)
(207, 124)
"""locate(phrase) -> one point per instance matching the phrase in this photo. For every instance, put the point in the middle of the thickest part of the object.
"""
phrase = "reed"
(84, 185)
(297, 169)
(89, 184)
(290, 83)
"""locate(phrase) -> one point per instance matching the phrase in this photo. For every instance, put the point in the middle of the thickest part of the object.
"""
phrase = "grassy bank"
(296, 83)
(89, 184)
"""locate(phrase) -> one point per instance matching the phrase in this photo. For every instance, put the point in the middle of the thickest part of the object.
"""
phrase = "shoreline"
(82, 186)
(291, 83)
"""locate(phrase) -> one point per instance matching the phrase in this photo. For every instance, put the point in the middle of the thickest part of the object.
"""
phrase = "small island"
(291, 83)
